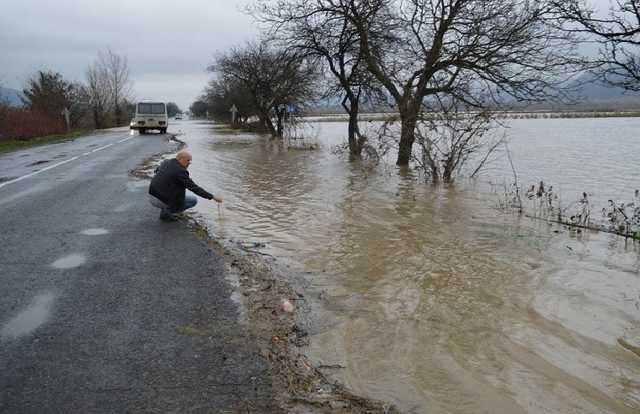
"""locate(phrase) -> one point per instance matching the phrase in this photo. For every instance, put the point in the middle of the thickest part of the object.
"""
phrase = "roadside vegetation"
(8, 145)
(422, 60)
(542, 202)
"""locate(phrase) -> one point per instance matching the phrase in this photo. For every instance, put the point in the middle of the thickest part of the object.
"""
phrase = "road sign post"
(234, 112)
(66, 114)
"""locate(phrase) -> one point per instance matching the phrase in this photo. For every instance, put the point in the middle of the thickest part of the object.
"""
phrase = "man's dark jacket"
(169, 183)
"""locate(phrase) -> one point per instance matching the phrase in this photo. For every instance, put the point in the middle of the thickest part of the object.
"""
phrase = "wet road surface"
(104, 308)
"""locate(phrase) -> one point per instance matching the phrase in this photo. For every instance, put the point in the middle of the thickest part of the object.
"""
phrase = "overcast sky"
(168, 44)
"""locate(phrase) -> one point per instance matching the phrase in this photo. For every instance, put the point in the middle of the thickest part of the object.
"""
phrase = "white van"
(150, 115)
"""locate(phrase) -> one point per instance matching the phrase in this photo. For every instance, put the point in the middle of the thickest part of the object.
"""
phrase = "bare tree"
(476, 51)
(80, 107)
(277, 79)
(117, 69)
(98, 91)
(617, 33)
(320, 28)
(221, 95)
(451, 138)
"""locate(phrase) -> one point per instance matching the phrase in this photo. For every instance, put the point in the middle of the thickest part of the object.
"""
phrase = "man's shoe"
(166, 216)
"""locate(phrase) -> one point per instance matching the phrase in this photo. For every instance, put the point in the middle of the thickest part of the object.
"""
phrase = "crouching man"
(168, 186)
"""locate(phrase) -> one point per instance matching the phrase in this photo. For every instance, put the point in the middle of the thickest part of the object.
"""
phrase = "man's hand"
(217, 199)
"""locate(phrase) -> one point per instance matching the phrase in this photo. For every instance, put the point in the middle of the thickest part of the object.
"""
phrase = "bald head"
(184, 158)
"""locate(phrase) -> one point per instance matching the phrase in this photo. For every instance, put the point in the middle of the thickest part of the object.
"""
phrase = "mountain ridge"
(10, 96)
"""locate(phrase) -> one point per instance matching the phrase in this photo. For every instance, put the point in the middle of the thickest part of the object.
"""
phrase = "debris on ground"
(299, 386)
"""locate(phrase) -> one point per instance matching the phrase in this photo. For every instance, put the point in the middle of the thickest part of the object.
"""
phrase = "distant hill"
(10, 96)
(588, 94)
(589, 86)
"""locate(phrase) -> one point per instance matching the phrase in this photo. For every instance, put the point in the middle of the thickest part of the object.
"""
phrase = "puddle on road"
(115, 176)
(94, 232)
(232, 277)
(30, 318)
(69, 262)
(39, 162)
(123, 207)
(134, 186)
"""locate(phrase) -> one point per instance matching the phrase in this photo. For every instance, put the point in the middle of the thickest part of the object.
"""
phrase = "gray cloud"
(168, 44)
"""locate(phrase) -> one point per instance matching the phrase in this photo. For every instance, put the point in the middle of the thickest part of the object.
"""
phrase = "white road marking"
(70, 261)
(94, 232)
(30, 318)
(15, 180)
(101, 148)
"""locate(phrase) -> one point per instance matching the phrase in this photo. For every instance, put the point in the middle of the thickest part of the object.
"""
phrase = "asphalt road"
(103, 307)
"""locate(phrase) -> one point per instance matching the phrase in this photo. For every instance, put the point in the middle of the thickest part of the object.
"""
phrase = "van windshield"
(151, 108)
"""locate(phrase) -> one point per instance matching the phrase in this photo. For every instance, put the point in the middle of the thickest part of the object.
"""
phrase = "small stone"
(286, 306)
(337, 405)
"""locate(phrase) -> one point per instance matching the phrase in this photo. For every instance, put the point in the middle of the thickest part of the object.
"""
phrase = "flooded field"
(436, 301)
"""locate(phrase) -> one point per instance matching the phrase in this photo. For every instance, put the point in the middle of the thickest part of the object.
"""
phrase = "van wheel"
(142, 131)
(163, 130)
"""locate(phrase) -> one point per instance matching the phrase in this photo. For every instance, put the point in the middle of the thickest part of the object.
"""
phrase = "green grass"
(8, 145)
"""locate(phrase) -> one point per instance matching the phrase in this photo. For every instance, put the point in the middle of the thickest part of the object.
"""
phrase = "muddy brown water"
(437, 302)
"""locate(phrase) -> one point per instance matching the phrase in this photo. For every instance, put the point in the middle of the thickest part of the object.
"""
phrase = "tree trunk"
(266, 121)
(96, 118)
(435, 174)
(447, 174)
(118, 112)
(356, 141)
(279, 119)
(408, 119)
(118, 116)
(354, 149)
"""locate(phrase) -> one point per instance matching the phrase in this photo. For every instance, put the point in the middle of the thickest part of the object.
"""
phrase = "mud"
(39, 162)
(300, 386)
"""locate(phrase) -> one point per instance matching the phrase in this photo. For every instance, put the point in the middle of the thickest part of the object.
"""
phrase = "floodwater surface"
(438, 302)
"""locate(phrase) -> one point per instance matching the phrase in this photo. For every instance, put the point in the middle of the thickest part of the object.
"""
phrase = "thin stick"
(515, 177)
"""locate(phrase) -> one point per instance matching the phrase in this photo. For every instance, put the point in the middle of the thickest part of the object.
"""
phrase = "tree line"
(420, 57)
(103, 100)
